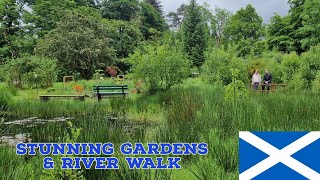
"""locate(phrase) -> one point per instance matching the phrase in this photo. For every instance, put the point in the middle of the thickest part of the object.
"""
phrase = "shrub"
(160, 67)
(5, 98)
(316, 83)
(297, 83)
(217, 65)
(291, 63)
(31, 71)
(311, 63)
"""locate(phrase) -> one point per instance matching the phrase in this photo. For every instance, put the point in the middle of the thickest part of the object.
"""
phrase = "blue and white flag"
(279, 155)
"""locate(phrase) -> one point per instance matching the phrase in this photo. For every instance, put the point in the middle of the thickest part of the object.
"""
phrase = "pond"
(93, 129)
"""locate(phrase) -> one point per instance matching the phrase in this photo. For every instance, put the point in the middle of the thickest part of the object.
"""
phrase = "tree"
(45, 14)
(125, 35)
(279, 34)
(120, 9)
(245, 29)
(220, 21)
(194, 37)
(156, 4)
(160, 67)
(9, 29)
(310, 31)
(79, 43)
(296, 8)
(152, 21)
(176, 18)
(245, 24)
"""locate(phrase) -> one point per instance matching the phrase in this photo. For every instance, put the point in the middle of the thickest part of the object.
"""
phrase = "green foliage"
(291, 63)
(45, 14)
(296, 8)
(125, 36)
(160, 67)
(9, 29)
(245, 29)
(194, 35)
(152, 21)
(156, 4)
(279, 34)
(297, 83)
(32, 71)
(79, 43)
(236, 89)
(311, 63)
(316, 83)
(57, 172)
(218, 64)
(310, 31)
(120, 9)
(6, 99)
(220, 21)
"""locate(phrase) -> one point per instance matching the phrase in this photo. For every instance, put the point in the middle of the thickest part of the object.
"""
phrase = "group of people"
(256, 80)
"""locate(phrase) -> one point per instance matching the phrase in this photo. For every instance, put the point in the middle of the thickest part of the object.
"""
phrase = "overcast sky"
(265, 8)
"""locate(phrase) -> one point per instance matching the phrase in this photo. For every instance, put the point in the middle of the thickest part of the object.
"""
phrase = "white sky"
(265, 8)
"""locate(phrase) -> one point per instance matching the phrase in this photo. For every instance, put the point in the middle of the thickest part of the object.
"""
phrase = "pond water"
(18, 131)
(94, 129)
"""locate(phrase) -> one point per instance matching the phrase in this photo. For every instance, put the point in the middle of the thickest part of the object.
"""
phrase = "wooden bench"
(273, 88)
(47, 97)
(110, 91)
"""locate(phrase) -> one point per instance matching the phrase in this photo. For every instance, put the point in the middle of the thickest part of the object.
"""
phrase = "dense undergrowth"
(194, 112)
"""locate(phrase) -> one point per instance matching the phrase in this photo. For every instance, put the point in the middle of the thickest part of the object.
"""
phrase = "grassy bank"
(194, 112)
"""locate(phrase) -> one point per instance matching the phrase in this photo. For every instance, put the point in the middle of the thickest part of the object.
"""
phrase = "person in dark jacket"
(267, 79)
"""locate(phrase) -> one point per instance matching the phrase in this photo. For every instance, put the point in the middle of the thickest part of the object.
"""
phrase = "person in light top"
(256, 79)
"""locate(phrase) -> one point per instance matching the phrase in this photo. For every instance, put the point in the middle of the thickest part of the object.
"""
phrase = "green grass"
(193, 112)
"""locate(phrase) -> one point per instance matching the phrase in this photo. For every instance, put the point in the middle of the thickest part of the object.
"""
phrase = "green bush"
(160, 67)
(217, 66)
(5, 98)
(31, 71)
(316, 83)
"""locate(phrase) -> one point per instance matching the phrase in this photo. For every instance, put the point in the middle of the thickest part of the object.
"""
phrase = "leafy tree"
(91, 3)
(156, 4)
(120, 9)
(218, 64)
(194, 36)
(310, 31)
(220, 21)
(160, 67)
(79, 43)
(279, 34)
(245, 29)
(176, 18)
(9, 29)
(151, 21)
(296, 8)
(125, 35)
(46, 13)
(31, 71)
(245, 24)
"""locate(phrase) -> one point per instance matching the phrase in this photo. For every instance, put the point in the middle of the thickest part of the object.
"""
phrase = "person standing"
(256, 80)
(267, 79)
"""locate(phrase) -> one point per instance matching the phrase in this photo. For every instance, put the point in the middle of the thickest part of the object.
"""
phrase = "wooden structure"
(48, 97)
(101, 91)
(273, 88)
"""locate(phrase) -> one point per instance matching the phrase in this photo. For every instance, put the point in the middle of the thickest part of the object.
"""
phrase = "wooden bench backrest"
(112, 87)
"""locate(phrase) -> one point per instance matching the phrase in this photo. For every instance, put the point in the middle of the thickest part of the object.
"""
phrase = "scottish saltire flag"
(279, 155)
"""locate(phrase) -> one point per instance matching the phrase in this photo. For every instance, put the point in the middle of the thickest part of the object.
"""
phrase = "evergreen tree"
(9, 29)
(296, 8)
(194, 36)
(156, 4)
